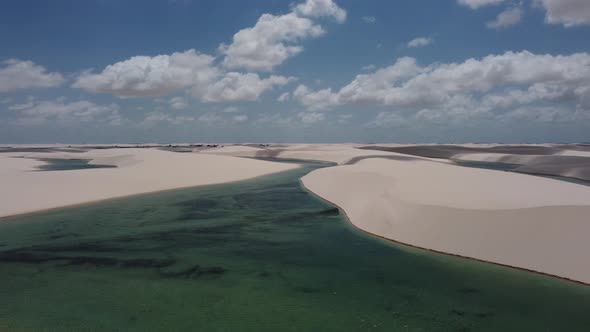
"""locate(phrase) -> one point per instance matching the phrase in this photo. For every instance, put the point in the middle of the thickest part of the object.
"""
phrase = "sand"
(138, 171)
(506, 218)
(545, 159)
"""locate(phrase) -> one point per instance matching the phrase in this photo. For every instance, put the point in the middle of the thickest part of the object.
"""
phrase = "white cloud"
(144, 76)
(215, 119)
(420, 42)
(388, 120)
(59, 110)
(475, 4)
(369, 19)
(275, 38)
(157, 117)
(508, 17)
(178, 103)
(321, 8)
(240, 118)
(540, 114)
(238, 87)
(344, 118)
(310, 117)
(284, 97)
(20, 74)
(567, 12)
(211, 119)
(231, 109)
(474, 87)
(369, 67)
(315, 100)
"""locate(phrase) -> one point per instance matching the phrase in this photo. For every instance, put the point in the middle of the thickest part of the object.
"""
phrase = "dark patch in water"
(198, 204)
(484, 314)
(194, 272)
(457, 312)
(468, 290)
(28, 257)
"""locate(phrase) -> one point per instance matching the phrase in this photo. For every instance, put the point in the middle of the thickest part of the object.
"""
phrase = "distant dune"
(560, 160)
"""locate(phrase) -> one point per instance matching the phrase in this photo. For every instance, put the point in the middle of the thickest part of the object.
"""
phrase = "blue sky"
(294, 71)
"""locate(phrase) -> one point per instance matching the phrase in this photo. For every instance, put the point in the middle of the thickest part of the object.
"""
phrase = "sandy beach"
(24, 189)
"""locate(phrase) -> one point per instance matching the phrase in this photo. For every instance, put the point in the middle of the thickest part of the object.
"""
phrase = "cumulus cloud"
(388, 120)
(275, 38)
(178, 103)
(235, 86)
(509, 17)
(321, 8)
(284, 97)
(475, 87)
(369, 19)
(240, 118)
(420, 42)
(310, 117)
(156, 117)
(315, 100)
(567, 12)
(231, 109)
(144, 76)
(20, 74)
(59, 110)
(475, 4)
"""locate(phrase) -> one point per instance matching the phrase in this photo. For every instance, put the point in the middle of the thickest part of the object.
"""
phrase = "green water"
(513, 168)
(258, 255)
(68, 164)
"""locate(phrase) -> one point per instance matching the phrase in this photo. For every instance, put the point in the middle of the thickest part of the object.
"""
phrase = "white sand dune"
(138, 171)
(506, 218)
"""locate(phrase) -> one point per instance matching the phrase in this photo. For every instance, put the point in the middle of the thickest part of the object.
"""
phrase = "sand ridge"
(506, 218)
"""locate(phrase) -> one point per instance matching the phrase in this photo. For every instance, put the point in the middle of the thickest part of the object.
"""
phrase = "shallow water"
(257, 255)
(68, 164)
(512, 168)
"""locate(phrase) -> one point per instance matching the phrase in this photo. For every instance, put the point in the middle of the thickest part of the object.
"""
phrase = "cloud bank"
(18, 74)
(475, 87)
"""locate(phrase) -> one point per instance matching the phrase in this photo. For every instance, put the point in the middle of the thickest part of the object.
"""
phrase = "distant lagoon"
(55, 164)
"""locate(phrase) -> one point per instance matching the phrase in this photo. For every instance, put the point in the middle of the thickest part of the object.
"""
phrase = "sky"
(303, 71)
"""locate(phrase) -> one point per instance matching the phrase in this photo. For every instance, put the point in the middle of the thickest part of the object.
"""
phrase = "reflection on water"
(53, 164)
(258, 255)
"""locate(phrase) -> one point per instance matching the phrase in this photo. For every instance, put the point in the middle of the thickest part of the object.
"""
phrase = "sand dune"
(560, 160)
(139, 171)
(507, 218)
